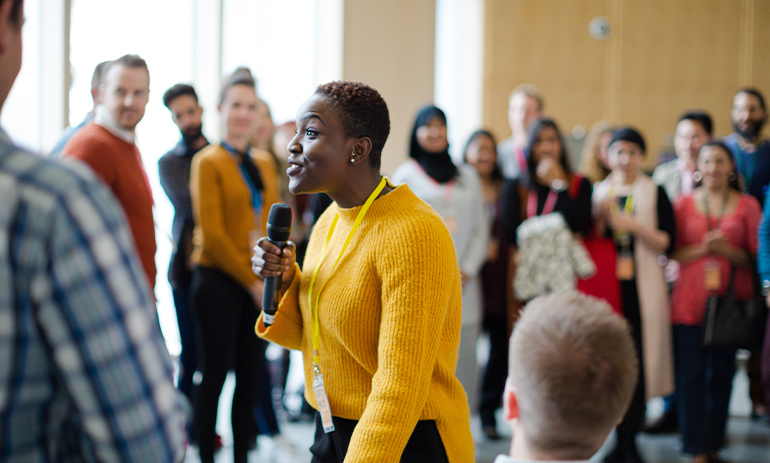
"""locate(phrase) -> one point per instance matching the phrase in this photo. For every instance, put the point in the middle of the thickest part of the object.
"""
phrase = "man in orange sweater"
(108, 146)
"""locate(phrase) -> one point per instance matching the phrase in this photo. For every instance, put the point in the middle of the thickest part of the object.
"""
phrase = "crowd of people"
(679, 234)
(418, 266)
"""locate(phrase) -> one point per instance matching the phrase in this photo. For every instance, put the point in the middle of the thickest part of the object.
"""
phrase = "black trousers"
(424, 446)
(227, 317)
(634, 419)
(496, 371)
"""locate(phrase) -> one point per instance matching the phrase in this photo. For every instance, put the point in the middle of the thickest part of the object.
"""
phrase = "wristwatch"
(559, 185)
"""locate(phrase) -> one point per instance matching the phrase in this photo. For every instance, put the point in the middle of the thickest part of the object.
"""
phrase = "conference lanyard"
(256, 198)
(624, 237)
(520, 158)
(314, 307)
(712, 273)
(322, 400)
(550, 203)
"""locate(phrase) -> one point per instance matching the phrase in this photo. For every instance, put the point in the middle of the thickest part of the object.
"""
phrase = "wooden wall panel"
(760, 48)
(676, 55)
(390, 46)
(545, 43)
(664, 57)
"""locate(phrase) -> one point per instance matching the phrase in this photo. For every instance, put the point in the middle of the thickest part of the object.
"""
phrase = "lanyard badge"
(318, 382)
(624, 266)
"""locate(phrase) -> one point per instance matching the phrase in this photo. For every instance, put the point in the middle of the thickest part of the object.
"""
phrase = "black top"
(174, 170)
(665, 219)
(576, 210)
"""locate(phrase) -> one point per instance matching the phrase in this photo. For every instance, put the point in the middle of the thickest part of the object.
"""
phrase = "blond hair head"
(530, 91)
(573, 368)
(590, 166)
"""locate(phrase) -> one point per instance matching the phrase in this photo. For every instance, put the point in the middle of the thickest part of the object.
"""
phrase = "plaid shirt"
(84, 372)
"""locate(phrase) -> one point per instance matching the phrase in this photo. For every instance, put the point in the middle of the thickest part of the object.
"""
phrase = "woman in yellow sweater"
(230, 187)
(377, 310)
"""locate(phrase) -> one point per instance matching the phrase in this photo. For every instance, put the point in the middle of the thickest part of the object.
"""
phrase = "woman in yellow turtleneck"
(386, 299)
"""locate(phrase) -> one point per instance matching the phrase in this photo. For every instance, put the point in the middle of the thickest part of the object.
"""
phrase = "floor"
(749, 441)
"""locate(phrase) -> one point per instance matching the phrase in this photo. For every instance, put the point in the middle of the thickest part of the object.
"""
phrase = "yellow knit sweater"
(223, 211)
(390, 320)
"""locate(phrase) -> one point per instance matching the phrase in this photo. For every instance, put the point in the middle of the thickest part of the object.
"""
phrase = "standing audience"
(84, 372)
(639, 216)
(716, 238)
(232, 187)
(481, 153)
(455, 194)
(693, 130)
(572, 374)
(525, 107)
(108, 146)
(174, 169)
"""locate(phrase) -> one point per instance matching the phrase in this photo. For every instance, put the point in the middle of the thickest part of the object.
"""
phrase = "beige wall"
(664, 56)
(390, 46)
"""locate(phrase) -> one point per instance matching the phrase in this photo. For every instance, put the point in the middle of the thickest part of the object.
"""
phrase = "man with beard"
(174, 168)
(107, 145)
(751, 150)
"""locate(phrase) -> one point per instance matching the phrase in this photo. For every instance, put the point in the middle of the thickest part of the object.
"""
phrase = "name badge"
(713, 277)
(624, 268)
(323, 402)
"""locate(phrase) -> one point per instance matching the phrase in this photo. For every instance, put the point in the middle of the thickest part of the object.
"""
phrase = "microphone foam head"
(279, 222)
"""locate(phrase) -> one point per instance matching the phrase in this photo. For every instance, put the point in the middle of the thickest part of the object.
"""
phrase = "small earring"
(697, 176)
(352, 161)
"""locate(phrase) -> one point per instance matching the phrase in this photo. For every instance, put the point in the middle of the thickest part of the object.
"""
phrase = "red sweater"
(119, 164)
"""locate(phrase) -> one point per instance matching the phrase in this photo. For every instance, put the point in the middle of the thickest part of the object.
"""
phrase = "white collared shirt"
(105, 119)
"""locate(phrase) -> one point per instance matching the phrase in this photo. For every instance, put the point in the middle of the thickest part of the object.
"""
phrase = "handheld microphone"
(278, 231)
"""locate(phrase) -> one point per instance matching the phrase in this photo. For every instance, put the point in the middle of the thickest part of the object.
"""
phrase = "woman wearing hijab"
(455, 194)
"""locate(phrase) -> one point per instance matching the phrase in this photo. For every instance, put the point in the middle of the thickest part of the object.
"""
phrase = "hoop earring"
(732, 177)
(697, 176)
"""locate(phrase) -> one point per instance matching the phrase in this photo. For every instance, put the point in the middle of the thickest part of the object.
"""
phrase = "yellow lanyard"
(623, 238)
(314, 308)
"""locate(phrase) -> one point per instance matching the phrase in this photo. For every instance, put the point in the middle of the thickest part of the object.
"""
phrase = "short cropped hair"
(362, 112)
(701, 117)
(755, 92)
(241, 76)
(529, 90)
(176, 91)
(573, 367)
(127, 61)
(96, 78)
(15, 14)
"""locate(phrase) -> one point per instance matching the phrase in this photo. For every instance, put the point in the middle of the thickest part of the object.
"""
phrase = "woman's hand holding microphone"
(269, 261)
